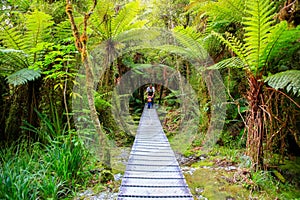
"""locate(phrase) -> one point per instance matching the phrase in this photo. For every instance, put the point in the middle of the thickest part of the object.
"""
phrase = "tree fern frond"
(234, 44)
(177, 50)
(37, 25)
(233, 62)
(282, 40)
(229, 10)
(23, 76)
(125, 18)
(190, 31)
(11, 37)
(288, 79)
(257, 27)
(12, 59)
(145, 35)
(63, 31)
(189, 42)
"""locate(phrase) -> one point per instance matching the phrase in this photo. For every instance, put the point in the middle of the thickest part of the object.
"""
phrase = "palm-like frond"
(11, 37)
(24, 48)
(229, 10)
(110, 24)
(235, 45)
(257, 28)
(288, 79)
(12, 59)
(188, 42)
(37, 25)
(281, 41)
(23, 76)
(125, 18)
(233, 62)
(63, 31)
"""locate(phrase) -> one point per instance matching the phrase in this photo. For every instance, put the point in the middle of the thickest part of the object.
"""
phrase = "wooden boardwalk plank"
(152, 170)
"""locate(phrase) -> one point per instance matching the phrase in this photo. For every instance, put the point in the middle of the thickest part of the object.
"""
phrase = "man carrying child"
(150, 91)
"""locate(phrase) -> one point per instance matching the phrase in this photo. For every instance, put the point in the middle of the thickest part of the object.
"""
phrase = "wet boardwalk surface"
(152, 171)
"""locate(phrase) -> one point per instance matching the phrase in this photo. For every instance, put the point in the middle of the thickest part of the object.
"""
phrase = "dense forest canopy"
(68, 69)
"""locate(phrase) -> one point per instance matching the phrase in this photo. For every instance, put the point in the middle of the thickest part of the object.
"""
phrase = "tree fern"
(257, 30)
(12, 59)
(225, 10)
(189, 42)
(282, 41)
(62, 31)
(37, 27)
(234, 62)
(289, 79)
(126, 18)
(11, 37)
(235, 45)
(111, 24)
(23, 48)
(23, 76)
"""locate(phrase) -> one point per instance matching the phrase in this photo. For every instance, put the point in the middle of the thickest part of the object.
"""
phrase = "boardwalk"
(152, 171)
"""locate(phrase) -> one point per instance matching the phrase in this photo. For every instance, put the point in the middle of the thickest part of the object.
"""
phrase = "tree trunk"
(81, 45)
(255, 124)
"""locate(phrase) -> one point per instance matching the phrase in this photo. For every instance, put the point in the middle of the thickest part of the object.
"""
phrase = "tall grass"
(39, 171)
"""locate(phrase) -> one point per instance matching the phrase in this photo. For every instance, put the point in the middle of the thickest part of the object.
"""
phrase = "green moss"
(215, 185)
(202, 163)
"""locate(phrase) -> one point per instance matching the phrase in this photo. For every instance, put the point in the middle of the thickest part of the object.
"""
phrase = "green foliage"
(229, 10)
(257, 31)
(49, 129)
(30, 171)
(24, 45)
(63, 32)
(67, 158)
(288, 79)
(233, 62)
(108, 23)
(37, 28)
(263, 40)
(282, 44)
(10, 59)
(23, 76)
(100, 103)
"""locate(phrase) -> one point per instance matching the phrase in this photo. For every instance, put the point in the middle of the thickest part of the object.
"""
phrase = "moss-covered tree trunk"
(81, 45)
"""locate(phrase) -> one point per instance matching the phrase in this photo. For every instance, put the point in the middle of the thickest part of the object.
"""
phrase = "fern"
(127, 15)
(235, 45)
(110, 25)
(282, 41)
(234, 62)
(12, 59)
(23, 76)
(24, 48)
(11, 37)
(63, 32)
(257, 28)
(226, 10)
(288, 79)
(37, 25)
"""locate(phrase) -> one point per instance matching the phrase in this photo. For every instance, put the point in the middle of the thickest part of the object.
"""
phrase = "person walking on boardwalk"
(150, 91)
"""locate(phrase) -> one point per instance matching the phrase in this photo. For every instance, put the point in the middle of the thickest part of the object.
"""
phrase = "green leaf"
(234, 62)
(257, 28)
(288, 79)
(37, 25)
(23, 76)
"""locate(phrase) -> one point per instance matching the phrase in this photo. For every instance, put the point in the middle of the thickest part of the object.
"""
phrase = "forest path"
(152, 170)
